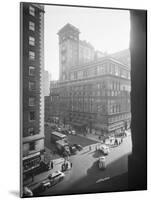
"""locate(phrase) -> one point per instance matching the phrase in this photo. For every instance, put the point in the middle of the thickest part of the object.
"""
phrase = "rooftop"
(67, 27)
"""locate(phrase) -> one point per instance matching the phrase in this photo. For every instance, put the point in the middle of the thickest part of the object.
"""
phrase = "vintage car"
(78, 147)
(27, 192)
(104, 149)
(56, 177)
(102, 162)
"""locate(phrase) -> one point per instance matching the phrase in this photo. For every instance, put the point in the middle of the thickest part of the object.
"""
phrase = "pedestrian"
(62, 167)
(32, 177)
(89, 148)
(116, 142)
(71, 164)
(66, 165)
(96, 148)
(51, 164)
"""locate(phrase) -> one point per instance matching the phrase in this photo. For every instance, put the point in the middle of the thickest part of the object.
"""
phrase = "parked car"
(56, 177)
(27, 192)
(44, 185)
(104, 149)
(78, 147)
(73, 149)
(73, 132)
(47, 124)
(65, 131)
(59, 129)
(102, 162)
(53, 126)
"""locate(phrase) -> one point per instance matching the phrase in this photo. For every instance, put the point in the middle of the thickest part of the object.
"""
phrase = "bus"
(55, 136)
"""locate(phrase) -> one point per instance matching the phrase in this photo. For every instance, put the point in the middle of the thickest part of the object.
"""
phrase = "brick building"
(32, 67)
(92, 95)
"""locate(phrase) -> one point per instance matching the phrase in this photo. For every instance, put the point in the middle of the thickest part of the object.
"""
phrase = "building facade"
(123, 56)
(32, 64)
(86, 52)
(47, 79)
(95, 96)
(68, 50)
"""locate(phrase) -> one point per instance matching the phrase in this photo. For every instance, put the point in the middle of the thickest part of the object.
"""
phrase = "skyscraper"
(32, 70)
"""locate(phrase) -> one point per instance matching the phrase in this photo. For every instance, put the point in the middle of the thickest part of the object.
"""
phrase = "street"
(85, 173)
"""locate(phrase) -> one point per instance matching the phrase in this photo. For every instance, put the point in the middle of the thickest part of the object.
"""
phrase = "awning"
(80, 124)
(32, 138)
(31, 156)
(116, 126)
(100, 126)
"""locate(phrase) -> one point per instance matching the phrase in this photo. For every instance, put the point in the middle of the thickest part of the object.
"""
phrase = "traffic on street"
(81, 163)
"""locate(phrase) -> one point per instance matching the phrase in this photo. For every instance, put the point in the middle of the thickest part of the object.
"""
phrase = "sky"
(107, 30)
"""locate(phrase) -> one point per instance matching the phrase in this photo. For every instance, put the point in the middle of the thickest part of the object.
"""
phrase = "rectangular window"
(32, 11)
(116, 70)
(80, 74)
(31, 131)
(32, 86)
(31, 71)
(109, 69)
(102, 70)
(31, 41)
(75, 75)
(32, 146)
(31, 55)
(32, 115)
(113, 69)
(95, 71)
(85, 73)
(31, 101)
(31, 26)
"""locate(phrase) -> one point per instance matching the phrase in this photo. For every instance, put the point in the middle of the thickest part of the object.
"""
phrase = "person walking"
(62, 167)
(89, 148)
(52, 164)
(32, 177)
(71, 164)
(116, 142)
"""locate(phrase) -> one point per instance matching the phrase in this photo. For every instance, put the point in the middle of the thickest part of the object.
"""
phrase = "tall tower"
(32, 98)
(68, 50)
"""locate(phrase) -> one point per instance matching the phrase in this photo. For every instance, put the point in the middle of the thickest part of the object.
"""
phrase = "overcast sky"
(106, 29)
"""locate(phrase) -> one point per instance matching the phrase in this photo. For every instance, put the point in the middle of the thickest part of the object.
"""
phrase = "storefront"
(31, 162)
(100, 129)
(116, 128)
(79, 126)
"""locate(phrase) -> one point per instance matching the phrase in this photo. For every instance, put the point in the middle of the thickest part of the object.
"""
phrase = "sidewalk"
(95, 138)
(40, 177)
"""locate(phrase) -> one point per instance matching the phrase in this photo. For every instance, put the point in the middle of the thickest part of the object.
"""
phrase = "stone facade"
(95, 95)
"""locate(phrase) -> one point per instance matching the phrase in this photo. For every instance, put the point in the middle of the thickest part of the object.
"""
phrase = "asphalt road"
(85, 173)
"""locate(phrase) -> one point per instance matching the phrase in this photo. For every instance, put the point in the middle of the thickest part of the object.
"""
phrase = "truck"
(63, 147)
(56, 136)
